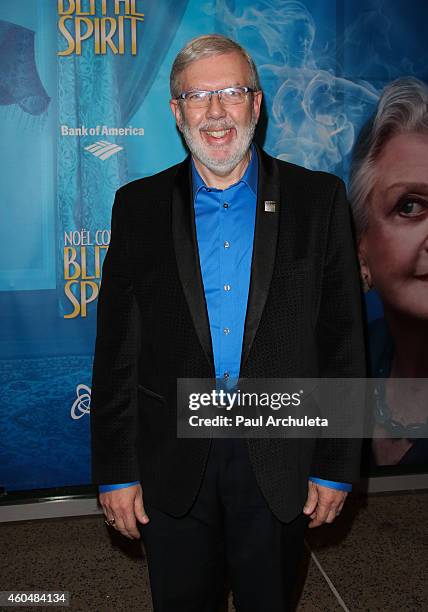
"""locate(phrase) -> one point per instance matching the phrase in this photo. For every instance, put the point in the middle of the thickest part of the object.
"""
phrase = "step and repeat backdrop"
(84, 91)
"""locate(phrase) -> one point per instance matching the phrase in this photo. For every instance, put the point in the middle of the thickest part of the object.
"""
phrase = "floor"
(373, 558)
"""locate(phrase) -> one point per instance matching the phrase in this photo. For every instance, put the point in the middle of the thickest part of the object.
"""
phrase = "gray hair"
(402, 109)
(207, 46)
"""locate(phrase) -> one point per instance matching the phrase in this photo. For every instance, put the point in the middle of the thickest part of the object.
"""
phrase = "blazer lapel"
(187, 256)
(264, 247)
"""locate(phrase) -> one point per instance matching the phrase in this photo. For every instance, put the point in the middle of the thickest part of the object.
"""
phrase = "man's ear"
(257, 103)
(365, 272)
(176, 111)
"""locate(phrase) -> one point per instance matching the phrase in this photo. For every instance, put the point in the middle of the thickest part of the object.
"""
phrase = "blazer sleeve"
(340, 336)
(114, 416)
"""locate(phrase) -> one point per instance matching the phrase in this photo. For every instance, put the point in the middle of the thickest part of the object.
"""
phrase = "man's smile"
(219, 136)
(218, 133)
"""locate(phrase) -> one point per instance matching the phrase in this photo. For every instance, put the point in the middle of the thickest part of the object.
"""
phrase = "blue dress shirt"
(225, 221)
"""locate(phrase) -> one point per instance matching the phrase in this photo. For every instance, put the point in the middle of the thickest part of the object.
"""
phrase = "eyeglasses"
(228, 95)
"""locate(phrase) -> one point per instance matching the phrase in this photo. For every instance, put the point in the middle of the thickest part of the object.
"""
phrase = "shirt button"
(225, 205)
(226, 244)
(227, 287)
(226, 375)
(226, 331)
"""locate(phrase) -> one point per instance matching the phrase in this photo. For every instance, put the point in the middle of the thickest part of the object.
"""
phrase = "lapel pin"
(270, 206)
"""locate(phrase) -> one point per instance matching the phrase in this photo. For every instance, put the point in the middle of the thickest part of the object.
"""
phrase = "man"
(229, 264)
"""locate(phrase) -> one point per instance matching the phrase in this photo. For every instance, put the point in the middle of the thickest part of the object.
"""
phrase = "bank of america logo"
(103, 149)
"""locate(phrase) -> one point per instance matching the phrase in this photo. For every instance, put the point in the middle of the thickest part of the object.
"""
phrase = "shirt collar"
(250, 177)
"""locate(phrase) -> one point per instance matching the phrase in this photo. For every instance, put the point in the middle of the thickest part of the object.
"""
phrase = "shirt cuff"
(112, 487)
(340, 486)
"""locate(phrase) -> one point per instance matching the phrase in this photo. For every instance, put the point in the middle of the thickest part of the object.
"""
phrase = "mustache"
(210, 126)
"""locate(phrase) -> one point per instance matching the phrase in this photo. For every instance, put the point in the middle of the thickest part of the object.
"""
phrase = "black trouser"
(229, 530)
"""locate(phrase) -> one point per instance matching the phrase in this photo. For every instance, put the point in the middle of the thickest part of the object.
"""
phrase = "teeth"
(218, 133)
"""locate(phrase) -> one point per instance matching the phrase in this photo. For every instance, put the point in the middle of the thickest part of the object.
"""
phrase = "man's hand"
(125, 506)
(323, 504)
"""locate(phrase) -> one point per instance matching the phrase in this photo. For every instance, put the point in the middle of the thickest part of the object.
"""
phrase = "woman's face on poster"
(394, 248)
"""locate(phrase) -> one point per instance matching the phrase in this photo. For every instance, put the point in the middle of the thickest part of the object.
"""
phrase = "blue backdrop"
(76, 127)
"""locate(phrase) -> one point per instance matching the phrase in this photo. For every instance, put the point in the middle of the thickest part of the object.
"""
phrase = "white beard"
(199, 150)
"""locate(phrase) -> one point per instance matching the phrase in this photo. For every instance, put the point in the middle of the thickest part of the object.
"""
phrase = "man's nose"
(215, 107)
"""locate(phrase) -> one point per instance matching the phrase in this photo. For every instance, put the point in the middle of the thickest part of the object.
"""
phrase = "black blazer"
(303, 320)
